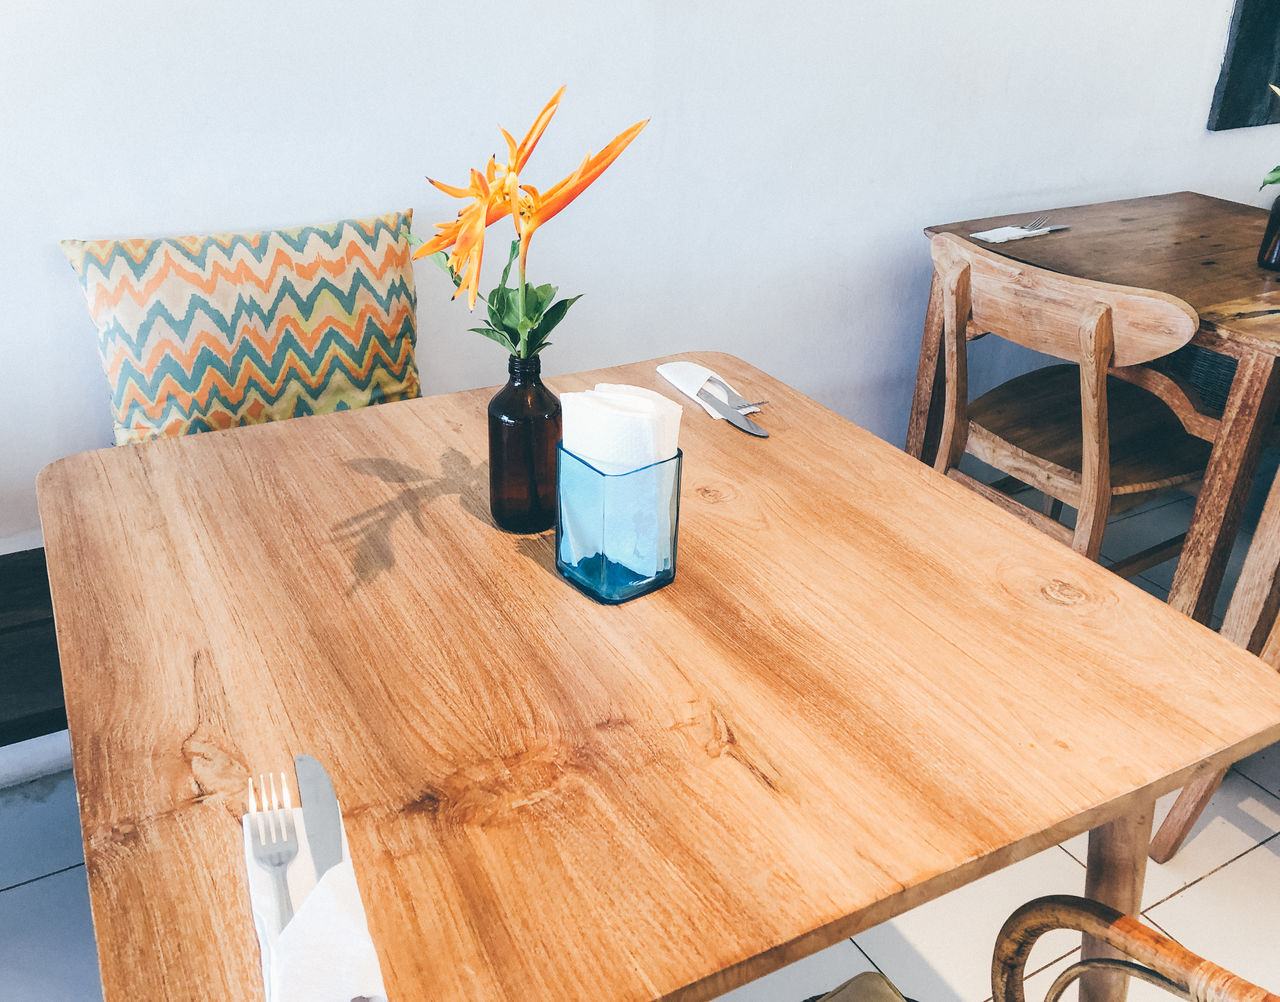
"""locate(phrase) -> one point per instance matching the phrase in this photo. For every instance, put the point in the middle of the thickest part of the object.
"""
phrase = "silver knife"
(320, 813)
(731, 415)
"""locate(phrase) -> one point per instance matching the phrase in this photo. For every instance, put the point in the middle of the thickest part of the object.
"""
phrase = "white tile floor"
(1220, 895)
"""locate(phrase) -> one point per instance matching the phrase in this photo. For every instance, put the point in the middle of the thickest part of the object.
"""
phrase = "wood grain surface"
(1043, 310)
(1198, 248)
(866, 686)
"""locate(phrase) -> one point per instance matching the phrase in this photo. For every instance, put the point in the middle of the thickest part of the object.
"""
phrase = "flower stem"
(524, 334)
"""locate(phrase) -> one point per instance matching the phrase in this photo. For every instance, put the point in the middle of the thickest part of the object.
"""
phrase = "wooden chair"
(1152, 957)
(1080, 436)
(1250, 622)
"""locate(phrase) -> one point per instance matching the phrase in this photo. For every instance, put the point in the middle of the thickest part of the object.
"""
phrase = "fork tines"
(273, 823)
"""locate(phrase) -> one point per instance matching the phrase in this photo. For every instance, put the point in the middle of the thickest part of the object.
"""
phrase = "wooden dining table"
(1204, 251)
(865, 687)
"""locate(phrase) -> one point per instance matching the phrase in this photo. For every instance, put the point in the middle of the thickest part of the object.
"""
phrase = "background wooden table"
(865, 687)
(1202, 250)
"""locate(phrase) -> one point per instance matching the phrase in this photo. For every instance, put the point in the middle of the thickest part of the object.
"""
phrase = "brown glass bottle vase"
(524, 430)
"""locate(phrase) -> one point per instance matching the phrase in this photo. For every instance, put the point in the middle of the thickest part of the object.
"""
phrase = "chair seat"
(1039, 413)
(869, 986)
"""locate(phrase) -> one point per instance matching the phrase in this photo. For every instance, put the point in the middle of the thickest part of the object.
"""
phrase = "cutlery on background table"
(730, 414)
(1018, 231)
(700, 384)
(735, 399)
(274, 838)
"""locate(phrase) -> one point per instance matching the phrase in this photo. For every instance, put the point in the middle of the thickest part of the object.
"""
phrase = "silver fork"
(274, 837)
(1035, 224)
(734, 399)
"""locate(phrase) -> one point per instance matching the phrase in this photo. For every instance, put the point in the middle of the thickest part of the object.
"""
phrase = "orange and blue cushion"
(201, 333)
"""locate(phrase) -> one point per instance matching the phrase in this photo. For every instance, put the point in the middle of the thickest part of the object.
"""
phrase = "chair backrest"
(1043, 310)
(1154, 958)
(1095, 325)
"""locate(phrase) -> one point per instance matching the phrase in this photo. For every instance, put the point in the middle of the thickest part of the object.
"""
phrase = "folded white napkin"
(689, 377)
(618, 429)
(1003, 234)
(325, 953)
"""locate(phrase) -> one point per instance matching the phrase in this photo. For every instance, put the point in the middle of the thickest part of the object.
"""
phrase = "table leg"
(1251, 617)
(1116, 870)
(925, 421)
(1249, 622)
(1250, 409)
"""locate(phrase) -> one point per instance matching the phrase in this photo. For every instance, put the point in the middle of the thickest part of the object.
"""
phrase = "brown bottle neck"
(524, 370)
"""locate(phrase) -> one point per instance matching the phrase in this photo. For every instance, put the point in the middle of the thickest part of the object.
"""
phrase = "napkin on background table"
(689, 378)
(1003, 234)
(619, 429)
(325, 953)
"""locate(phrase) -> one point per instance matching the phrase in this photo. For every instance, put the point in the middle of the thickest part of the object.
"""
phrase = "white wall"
(772, 208)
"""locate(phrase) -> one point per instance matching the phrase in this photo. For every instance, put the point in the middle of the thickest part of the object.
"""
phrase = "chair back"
(1094, 325)
(1043, 310)
(1151, 956)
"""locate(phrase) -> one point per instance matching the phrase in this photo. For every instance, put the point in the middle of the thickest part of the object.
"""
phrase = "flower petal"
(525, 150)
(449, 189)
(511, 144)
(565, 191)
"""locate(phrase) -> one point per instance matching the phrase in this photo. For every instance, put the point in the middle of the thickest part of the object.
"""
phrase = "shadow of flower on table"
(367, 534)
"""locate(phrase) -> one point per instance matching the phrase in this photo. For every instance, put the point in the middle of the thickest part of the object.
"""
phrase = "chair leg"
(1186, 811)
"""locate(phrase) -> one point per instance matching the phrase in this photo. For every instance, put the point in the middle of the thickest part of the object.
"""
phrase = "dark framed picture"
(1252, 61)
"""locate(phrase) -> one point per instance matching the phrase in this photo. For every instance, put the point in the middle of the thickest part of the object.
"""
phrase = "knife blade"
(730, 415)
(320, 813)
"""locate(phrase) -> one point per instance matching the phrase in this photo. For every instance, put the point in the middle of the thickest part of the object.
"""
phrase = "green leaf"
(544, 294)
(498, 305)
(441, 260)
(524, 327)
(553, 316)
(496, 335)
(1273, 177)
(511, 313)
(515, 249)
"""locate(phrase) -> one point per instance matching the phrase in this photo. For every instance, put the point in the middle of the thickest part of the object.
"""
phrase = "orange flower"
(493, 193)
(498, 192)
(535, 209)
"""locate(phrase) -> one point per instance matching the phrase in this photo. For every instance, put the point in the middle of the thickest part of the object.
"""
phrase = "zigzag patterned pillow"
(206, 332)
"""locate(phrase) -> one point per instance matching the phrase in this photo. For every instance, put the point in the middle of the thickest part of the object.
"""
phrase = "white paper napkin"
(690, 377)
(618, 429)
(1003, 234)
(325, 953)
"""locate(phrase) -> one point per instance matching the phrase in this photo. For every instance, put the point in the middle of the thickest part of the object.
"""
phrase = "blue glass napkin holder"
(616, 532)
